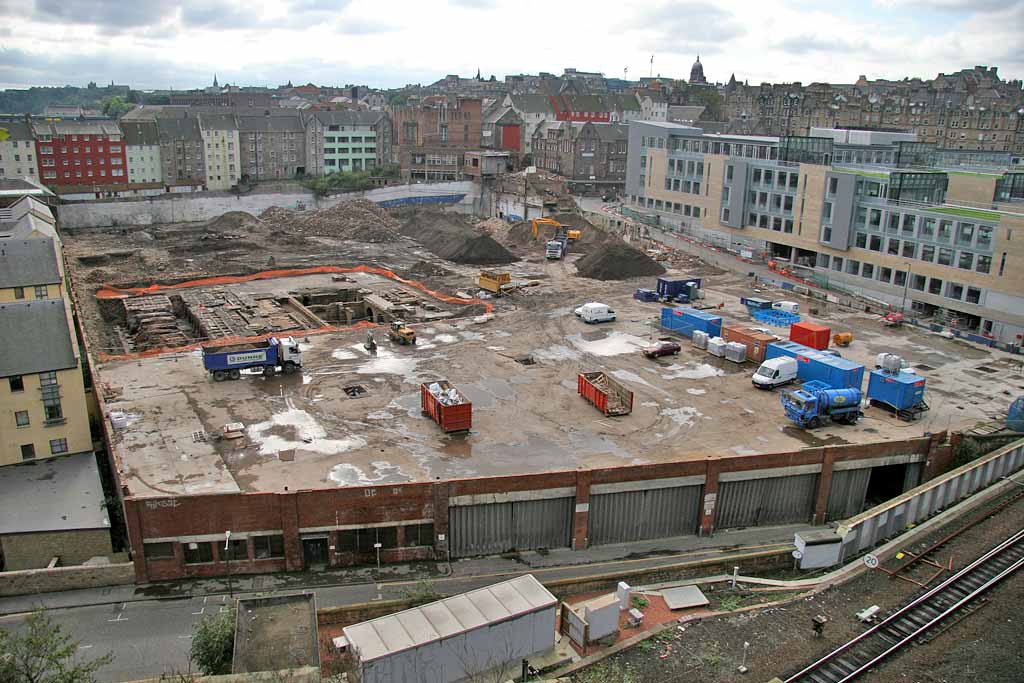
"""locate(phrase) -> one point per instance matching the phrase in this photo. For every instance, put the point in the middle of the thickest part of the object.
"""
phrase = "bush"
(213, 643)
(43, 652)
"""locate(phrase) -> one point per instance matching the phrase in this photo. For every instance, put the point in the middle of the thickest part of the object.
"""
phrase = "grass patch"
(868, 174)
(978, 214)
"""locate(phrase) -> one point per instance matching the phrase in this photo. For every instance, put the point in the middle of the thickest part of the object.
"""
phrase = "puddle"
(347, 474)
(457, 447)
(696, 392)
(379, 415)
(308, 435)
(446, 339)
(480, 398)
(343, 354)
(684, 416)
(615, 344)
(627, 376)
(649, 404)
(410, 403)
(556, 352)
(471, 336)
(743, 450)
(692, 371)
(495, 348)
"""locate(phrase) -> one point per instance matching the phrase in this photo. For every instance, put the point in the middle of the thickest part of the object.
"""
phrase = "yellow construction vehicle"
(400, 333)
(539, 224)
(842, 338)
(490, 281)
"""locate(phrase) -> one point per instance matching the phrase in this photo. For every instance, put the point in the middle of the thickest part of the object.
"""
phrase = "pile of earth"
(521, 233)
(358, 220)
(231, 221)
(452, 236)
(616, 260)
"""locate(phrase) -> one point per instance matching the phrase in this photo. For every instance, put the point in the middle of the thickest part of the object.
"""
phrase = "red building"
(75, 153)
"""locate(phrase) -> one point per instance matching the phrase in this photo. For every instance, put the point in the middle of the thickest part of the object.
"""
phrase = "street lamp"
(227, 556)
(906, 284)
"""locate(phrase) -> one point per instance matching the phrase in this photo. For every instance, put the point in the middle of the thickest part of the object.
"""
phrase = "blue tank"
(1015, 418)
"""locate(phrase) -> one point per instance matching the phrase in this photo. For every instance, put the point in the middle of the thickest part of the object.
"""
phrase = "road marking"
(200, 611)
(119, 614)
(179, 638)
(84, 647)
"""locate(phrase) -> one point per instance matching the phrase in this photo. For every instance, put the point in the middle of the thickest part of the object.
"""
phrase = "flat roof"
(276, 633)
(385, 636)
(53, 494)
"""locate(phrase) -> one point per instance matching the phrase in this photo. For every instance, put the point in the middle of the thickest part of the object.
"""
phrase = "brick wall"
(32, 551)
(34, 581)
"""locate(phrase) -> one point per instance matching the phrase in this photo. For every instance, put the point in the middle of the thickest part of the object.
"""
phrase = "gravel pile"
(453, 237)
(359, 220)
(232, 220)
(617, 261)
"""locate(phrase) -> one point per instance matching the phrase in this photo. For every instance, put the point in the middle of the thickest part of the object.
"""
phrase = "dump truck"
(400, 333)
(491, 281)
(607, 395)
(228, 361)
(556, 248)
(812, 406)
(446, 405)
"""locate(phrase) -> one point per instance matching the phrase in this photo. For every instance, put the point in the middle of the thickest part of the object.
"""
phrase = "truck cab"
(554, 249)
(775, 372)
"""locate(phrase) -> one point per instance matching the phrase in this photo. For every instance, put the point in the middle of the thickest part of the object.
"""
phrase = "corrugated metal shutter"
(503, 527)
(846, 495)
(542, 523)
(912, 477)
(637, 515)
(760, 502)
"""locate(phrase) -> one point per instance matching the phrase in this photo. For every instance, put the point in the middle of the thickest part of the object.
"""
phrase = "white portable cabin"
(458, 637)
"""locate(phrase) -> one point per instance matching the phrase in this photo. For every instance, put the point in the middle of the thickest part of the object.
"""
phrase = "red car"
(661, 348)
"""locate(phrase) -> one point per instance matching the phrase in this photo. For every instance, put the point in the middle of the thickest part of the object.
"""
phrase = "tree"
(213, 643)
(115, 106)
(43, 653)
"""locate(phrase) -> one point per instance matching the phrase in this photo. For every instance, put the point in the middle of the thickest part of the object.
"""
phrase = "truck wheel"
(269, 371)
(290, 368)
(234, 374)
(219, 375)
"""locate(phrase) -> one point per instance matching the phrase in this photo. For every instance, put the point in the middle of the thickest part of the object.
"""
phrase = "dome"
(697, 72)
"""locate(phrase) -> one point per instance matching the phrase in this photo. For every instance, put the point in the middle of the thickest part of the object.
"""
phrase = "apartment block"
(142, 141)
(934, 241)
(271, 146)
(43, 409)
(221, 154)
(182, 151)
(347, 141)
(18, 156)
(77, 153)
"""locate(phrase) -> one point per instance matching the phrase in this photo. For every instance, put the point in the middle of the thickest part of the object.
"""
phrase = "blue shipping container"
(813, 365)
(686, 320)
(901, 391)
(756, 303)
(670, 287)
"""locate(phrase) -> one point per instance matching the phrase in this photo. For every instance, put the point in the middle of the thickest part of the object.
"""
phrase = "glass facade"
(805, 150)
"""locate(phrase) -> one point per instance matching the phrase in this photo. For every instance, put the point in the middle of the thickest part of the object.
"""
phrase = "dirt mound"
(100, 276)
(358, 220)
(232, 220)
(453, 237)
(617, 261)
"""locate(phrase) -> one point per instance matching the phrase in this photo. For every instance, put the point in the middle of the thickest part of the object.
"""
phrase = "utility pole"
(526, 208)
(906, 284)
(227, 551)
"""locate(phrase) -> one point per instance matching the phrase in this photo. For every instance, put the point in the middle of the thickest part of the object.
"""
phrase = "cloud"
(474, 4)
(803, 44)
(684, 27)
(222, 16)
(110, 13)
(365, 27)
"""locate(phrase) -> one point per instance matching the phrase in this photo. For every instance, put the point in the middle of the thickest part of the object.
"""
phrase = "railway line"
(922, 618)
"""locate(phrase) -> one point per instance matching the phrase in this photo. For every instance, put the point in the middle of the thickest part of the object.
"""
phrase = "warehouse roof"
(26, 263)
(35, 338)
(452, 616)
(55, 494)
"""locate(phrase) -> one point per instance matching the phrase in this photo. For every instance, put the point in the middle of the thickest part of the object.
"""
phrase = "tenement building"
(935, 232)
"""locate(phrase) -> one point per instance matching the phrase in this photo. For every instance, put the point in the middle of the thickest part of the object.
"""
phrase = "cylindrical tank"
(838, 398)
(1015, 417)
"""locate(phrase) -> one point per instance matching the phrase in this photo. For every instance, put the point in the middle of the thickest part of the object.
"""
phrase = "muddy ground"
(986, 646)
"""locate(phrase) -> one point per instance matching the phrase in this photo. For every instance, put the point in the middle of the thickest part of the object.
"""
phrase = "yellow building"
(870, 213)
(43, 407)
(221, 153)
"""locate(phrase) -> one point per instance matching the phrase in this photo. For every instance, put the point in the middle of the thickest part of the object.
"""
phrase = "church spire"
(215, 81)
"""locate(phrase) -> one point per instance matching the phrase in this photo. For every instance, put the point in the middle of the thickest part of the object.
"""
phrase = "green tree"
(213, 644)
(43, 653)
(115, 107)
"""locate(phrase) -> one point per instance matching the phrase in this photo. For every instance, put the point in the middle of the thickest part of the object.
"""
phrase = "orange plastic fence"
(111, 292)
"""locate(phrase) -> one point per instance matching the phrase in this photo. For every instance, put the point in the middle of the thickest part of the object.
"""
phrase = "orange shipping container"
(756, 342)
(810, 334)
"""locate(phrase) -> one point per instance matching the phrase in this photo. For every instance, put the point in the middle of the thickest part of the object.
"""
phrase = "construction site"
(369, 304)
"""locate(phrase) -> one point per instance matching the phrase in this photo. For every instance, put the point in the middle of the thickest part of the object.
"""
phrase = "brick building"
(79, 153)
(591, 157)
(432, 138)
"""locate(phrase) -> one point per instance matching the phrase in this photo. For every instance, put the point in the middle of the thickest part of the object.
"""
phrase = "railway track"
(923, 617)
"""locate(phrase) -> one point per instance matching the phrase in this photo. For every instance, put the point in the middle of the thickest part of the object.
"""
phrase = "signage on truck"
(803, 359)
(247, 357)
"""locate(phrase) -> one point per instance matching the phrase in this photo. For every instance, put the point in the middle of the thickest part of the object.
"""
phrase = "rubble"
(359, 220)
(617, 261)
(452, 236)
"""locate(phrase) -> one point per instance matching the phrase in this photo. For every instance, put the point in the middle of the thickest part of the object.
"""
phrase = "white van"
(775, 372)
(787, 306)
(595, 313)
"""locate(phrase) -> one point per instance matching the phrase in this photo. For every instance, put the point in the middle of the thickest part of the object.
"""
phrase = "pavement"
(148, 628)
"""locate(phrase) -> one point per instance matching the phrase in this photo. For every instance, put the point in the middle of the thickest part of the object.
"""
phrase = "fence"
(866, 530)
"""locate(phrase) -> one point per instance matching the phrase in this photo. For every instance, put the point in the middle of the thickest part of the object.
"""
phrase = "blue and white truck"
(269, 355)
(813, 407)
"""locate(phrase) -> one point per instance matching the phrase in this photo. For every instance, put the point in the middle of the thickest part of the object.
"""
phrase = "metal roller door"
(638, 515)
(503, 527)
(912, 478)
(771, 500)
(846, 495)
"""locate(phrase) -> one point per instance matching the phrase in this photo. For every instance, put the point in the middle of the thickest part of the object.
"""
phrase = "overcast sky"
(388, 43)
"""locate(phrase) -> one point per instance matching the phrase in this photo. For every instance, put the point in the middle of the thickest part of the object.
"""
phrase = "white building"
(17, 151)
(143, 150)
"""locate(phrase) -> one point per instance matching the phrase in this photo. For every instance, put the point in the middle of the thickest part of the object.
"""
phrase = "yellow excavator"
(539, 225)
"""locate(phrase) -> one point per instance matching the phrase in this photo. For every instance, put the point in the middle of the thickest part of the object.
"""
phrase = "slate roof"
(186, 129)
(26, 263)
(109, 127)
(17, 130)
(218, 122)
(532, 104)
(349, 118)
(52, 494)
(140, 132)
(271, 124)
(611, 132)
(35, 338)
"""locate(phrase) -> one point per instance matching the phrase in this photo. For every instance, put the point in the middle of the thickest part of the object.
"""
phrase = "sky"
(156, 44)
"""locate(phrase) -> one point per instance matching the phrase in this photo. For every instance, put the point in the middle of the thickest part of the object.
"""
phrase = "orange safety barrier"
(107, 291)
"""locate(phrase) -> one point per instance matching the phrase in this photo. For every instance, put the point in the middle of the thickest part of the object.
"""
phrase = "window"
(909, 223)
(894, 222)
(728, 173)
(52, 410)
(202, 552)
(894, 247)
(935, 286)
(868, 271)
(927, 253)
(918, 282)
(237, 550)
(826, 234)
(973, 295)
(984, 237)
(945, 231)
(966, 261)
(41, 291)
(909, 249)
(965, 234)
(876, 243)
(862, 217)
(984, 264)
(861, 241)
(17, 383)
(852, 267)
(267, 547)
(21, 418)
(900, 278)
(885, 274)
(418, 534)
(58, 446)
(158, 551)
(48, 378)
(833, 185)
(725, 215)
(28, 451)
(757, 175)
(954, 290)
(837, 264)
(875, 221)
(787, 205)
(945, 256)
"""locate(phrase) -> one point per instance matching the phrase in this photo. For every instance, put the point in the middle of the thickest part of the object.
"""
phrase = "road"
(149, 637)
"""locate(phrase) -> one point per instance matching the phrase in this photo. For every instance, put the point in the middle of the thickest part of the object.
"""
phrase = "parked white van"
(787, 306)
(595, 313)
(775, 372)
